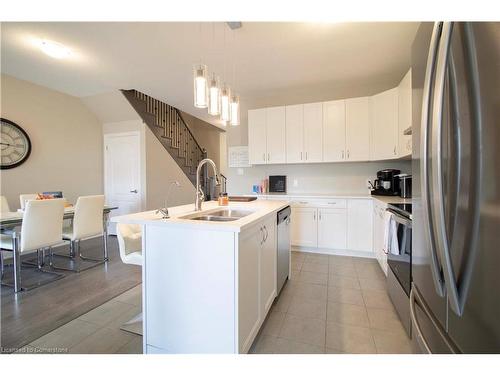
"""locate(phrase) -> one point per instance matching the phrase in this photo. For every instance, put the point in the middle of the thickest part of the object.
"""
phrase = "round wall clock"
(15, 144)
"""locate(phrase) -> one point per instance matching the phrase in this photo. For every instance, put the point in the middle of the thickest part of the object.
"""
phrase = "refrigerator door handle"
(416, 298)
(424, 164)
(457, 295)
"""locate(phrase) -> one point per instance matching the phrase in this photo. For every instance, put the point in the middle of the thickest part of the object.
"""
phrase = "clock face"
(15, 144)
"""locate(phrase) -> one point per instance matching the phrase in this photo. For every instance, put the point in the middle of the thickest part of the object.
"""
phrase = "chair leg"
(71, 255)
(97, 260)
(1, 265)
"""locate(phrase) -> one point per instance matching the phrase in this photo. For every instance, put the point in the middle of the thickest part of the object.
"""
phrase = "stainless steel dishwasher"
(283, 246)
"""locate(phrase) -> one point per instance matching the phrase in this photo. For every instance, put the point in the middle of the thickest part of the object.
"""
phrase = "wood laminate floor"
(32, 314)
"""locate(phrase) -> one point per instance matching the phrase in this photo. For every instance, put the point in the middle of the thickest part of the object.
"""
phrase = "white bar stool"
(87, 224)
(130, 245)
(41, 229)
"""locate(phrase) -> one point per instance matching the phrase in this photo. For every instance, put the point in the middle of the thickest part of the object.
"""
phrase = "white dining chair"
(87, 224)
(40, 231)
(130, 246)
(23, 198)
(4, 205)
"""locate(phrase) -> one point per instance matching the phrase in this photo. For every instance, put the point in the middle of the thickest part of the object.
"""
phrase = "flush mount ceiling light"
(54, 49)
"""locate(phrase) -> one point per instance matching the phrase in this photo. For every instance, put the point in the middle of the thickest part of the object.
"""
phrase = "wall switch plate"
(295, 182)
(240, 171)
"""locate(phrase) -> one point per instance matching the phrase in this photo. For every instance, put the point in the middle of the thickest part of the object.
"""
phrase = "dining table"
(11, 222)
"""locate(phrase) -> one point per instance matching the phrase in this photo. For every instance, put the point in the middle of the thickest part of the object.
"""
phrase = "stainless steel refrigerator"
(455, 296)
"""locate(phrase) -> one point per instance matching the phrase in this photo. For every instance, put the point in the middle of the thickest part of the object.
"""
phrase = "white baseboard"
(344, 252)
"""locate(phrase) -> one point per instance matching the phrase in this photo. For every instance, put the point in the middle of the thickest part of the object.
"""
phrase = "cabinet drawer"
(320, 203)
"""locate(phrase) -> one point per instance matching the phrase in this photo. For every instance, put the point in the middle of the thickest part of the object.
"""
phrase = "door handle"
(134, 191)
(424, 152)
(457, 294)
(415, 297)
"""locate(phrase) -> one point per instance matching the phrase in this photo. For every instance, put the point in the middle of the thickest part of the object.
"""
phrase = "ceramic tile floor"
(331, 304)
(96, 332)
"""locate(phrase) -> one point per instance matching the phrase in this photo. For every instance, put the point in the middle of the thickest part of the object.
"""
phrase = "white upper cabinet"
(275, 135)
(313, 132)
(357, 124)
(257, 150)
(334, 130)
(405, 115)
(384, 134)
(266, 135)
(295, 133)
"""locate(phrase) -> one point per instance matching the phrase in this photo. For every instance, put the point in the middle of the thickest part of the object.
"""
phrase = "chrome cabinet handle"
(262, 236)
(300, 155)
(314, 216)
(332, 202)
(347, 154)
(320, 215)
(394, 150)
(267, 233)
(306, 155)
(342, 154)
(268, 156)
(424, 163)
(134, 191)
(264, 156)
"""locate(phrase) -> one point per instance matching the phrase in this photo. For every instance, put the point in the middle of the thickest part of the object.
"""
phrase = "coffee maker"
(387, 182)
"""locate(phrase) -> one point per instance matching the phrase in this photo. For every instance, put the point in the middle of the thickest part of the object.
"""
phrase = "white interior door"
(122, 173)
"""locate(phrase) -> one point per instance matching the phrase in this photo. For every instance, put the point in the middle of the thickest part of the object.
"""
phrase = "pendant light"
(214, 96)
(200, 86)
(200, 81)
(234, 104)
(225, 103)
(235, 110)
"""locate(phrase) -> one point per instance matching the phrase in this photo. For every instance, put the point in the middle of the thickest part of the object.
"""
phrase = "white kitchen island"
(207, 286)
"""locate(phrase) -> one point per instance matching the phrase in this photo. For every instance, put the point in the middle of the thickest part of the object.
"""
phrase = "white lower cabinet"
(337, 224)
(304, 227)
(332, 228)
(378, 235)
(360, 225)
(257, 269)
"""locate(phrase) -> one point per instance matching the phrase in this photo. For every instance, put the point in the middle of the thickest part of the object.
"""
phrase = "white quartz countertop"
(259, 208)
(382, 198)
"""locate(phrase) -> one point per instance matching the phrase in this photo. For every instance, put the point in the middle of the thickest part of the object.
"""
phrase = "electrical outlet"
(295, 183)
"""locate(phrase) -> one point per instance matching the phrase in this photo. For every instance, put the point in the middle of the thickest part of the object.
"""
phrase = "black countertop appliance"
(387, 182)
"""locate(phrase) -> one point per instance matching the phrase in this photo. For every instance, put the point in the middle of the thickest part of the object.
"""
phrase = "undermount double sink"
(220, 215)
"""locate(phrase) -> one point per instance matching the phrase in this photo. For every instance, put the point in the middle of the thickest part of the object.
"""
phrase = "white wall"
(67, 144)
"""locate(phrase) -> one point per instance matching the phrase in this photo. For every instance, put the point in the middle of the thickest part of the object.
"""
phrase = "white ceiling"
(157, 58)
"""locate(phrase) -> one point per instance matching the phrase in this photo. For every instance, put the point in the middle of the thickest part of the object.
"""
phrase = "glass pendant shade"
(235, 110)
(214, 96)
(225, 102)
(200, 83)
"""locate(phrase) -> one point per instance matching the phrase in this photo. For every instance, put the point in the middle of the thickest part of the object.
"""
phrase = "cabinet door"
(276, 135)
(332, 228)
(360, 225)
(378, 236)
(248, 286)
(295, 133)
(304, 227)
(268, 267)
(405, 115)
(384, 139)
(313, 132)
(257, 152)
(357, 125)
(334, 130)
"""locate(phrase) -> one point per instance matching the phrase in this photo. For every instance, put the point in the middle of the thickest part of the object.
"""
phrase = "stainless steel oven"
(399, 261)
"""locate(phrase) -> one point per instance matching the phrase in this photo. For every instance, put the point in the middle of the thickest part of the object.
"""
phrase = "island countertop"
(179, 216)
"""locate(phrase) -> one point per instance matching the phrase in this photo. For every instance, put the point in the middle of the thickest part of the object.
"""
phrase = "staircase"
(170, 129)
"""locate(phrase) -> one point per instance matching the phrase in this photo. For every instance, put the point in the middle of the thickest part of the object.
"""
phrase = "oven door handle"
(400, 219)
